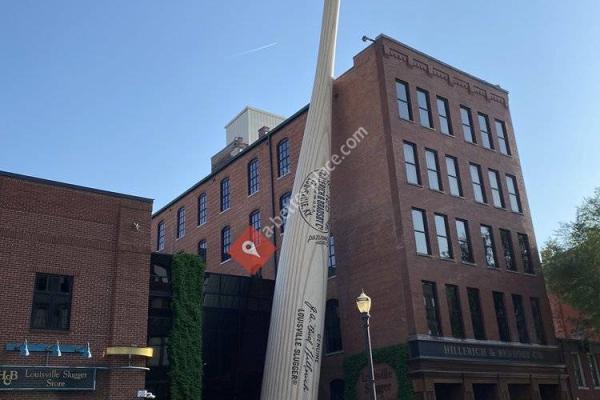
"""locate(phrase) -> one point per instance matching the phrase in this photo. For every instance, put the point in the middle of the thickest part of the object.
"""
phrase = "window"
(424, 111)
(160, 236)
(202, 250)
(507, 250)
(333, 329)
(433, 170)
(331, 264)
(181, 222)
(497, 196)
(538, 323)
(420, 229)
(478, 189)
(160, 356)
(578, 369)
(502, 140)
(254, 221)
(336, 390)
(283, 157)
(513, 194)
(411, 164)
(202, 209)
(52, 302)
(403, 97)
(456, 318)
(453, 176)
(467, 124)
(253, 183)
(284, 203)
(431, 309)
(225, 203)
(525, 253)
(488, 246)
(593, 361)
(443, 236)
(484, 128)
(464, 241)
(476, 314)
(501, 317)
(444, 116)
(517, 300)
(225, 244)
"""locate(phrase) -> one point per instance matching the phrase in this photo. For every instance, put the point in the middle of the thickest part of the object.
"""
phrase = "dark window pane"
(202, 209)
(454, 308)
(420, 230)
(424, 111)
(181, 222)
(443, 237)
(403, 100)
(501, 317)
(484, 128)
(333, 329)
(502, 139)
(160, 236)
(331, 264)
(525, 253)
(476, 314)
(253, 182)
(433, 170)
(283, 157)
(467, 124)
(520, 318)
(464, 241)
(453, 176)
(538, 323)
(497, 196)
(411, 164)
(478, 189)
(431, 309)
(507, 250)
(225, 243)
(513, 193)
(51, 308)
(225, 204)
(444, 116)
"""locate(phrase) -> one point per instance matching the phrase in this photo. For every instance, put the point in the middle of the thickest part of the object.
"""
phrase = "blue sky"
(132, 96)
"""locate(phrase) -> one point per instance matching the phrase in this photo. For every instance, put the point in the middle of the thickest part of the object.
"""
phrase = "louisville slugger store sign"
(47, 378)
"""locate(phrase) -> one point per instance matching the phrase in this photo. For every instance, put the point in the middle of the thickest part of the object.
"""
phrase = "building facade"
(429, 216)
(74, 291)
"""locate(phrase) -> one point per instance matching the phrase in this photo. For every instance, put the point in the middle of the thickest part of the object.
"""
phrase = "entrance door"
(520, 392)
(448, 391)
(485, 391)
(550, 392)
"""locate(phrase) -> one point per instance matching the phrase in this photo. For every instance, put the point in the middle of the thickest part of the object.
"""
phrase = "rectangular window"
(502, 139)
(525, 253)
(487, 238)
(160, 236)
(497, 196)
(283, 157)
(225, 194)
(403, 97)
(433, 170)
(52, 302)
(478, 188)
(420, 228)
(464, 241)
(538, 322)
(453, 176)
(476, 314)
(202, 250)
(225, 244)
(331, 264)
(517, 300)
(254, 221)
(202, 209)
(443, 236)
(444, 116)
(431, 309)
(593, 361)
(253, 182)
(484, 128)
(507, 250)
(467, 124)
(181, 222)
(424, 110)
(501, 317)
(578, 369)
(456, 318)
(513, 194)
(411, 164)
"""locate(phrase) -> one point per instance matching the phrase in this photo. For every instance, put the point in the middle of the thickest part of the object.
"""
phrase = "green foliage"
(185, 339)
(572, 263)
(394, 356)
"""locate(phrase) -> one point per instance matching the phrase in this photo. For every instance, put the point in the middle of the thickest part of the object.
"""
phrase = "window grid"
(444, 116)
(433, 170)
(411, 163)
(225, 243)
(160, 236)
(513, 194)
(443, 236)
(431, 308)
(502, 139)
(497, 195)
(484, 128)
(517, 300)
(476, 314)
(525, 253)
(331, 262)
(253, 182)
(403, 98)
(181, 222)
(254, 220)
(420, 230)
(202, 250)
(487, 237)
(467, 124)
(538, 323)
(507, 250)
(202, 209)
(453, 176)
(501, 317)
(51, 308)
(283, 157)
(225, 201)
(478, 188)
(464, 241)
(455, 311)
(424, 109)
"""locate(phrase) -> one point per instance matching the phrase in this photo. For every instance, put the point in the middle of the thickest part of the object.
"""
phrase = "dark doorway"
(485, 391)
(550, 392)
(520, 392)
(449, 391)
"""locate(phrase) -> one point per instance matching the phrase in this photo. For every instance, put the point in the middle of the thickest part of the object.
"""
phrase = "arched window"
(202, 209)
(283, 157)
(202, 250)
(336, 389)
(333, 330)
(253, 182)
(225, 243)
(181, 222)
(284, 203)
(225, 194)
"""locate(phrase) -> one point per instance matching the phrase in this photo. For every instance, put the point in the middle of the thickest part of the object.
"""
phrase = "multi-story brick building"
(429, 216)
(74, 291)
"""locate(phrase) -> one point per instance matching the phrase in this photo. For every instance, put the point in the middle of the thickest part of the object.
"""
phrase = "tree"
(571, 262)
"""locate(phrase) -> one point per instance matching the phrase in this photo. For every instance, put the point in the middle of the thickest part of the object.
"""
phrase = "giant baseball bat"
(293, 360)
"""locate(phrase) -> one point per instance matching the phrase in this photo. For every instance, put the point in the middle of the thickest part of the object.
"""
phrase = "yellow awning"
(130, 351)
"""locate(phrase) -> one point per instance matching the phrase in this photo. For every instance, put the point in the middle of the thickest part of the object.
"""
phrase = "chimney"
(263, 131)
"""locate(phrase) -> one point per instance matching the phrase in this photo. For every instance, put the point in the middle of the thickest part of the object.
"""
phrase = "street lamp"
(363, 303)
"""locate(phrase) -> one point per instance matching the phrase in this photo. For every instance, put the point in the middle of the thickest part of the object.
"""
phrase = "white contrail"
(243, 53)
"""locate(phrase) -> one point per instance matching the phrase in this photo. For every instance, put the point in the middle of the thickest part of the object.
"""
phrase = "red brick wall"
(49, 228)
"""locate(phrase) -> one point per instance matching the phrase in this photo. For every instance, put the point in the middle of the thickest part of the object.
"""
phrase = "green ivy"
(394, 356)
(185, 339)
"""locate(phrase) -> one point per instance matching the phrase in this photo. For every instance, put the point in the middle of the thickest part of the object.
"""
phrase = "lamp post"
(363, 303)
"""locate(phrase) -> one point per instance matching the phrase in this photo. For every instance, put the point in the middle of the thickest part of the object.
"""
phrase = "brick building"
(74, 291)
(429, 216)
